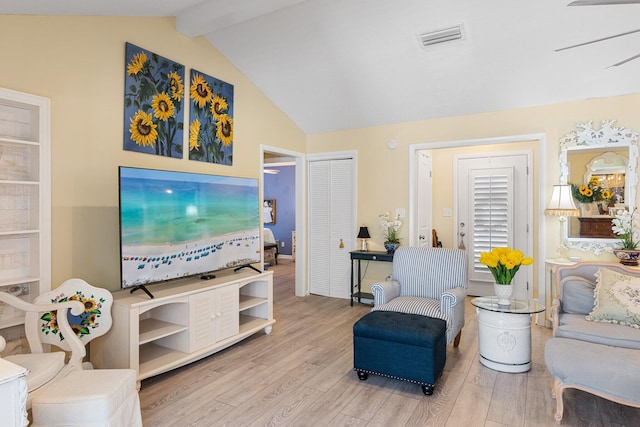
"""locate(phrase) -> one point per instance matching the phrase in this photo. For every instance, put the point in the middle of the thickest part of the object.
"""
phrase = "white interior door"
(425, 185)
(494, 210)
(331, 226)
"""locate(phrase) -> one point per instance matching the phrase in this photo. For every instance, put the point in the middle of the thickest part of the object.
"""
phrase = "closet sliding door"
(331, 226)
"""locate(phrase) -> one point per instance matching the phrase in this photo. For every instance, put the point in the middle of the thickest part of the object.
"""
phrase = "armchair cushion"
(617, 299)
(575, 326)
(43, 367)
(414, 305)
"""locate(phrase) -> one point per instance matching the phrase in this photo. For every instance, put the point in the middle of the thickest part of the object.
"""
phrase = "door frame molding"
(541, 139)
(301, 288)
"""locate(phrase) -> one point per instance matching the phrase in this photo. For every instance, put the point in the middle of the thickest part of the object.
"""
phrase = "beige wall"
(383, 178)
(78, 62)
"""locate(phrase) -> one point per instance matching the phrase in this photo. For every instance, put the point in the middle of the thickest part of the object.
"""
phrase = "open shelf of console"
(188, 319)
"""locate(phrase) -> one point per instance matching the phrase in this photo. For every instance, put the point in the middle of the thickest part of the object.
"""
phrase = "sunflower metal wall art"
(210, 120)
(153, 97)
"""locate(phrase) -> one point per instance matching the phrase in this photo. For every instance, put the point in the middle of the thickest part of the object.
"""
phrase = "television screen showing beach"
(177, 224)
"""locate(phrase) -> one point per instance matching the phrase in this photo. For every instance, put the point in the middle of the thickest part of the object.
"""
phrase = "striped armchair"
(427, 281)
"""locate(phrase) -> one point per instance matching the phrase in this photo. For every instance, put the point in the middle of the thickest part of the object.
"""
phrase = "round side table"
(504, 333)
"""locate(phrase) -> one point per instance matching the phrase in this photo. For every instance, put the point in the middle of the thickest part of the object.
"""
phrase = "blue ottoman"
(404, 346)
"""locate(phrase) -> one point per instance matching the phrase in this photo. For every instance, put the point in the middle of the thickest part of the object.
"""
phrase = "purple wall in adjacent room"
(282, 188)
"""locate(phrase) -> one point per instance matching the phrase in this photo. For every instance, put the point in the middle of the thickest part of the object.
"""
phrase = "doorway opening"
(270, 156)
(476, 146)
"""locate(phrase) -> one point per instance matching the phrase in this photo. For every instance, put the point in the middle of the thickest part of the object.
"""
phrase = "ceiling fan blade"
(599, 40)
(601, 2)
(625, 61)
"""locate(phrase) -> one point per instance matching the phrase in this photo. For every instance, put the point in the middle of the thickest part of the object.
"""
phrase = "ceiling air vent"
(440, 36)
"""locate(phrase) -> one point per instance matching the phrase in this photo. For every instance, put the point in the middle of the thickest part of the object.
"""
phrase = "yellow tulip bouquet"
(504, 263)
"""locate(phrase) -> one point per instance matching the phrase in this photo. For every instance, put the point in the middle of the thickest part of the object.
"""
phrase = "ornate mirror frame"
(607, 137)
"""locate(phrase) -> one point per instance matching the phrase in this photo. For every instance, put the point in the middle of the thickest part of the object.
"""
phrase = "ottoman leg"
(427, 389)
(362, 376)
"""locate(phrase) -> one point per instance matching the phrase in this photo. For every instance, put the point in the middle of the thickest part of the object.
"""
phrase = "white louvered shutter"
(319, 187)
(341, 226)
(331, 197)
(492, 214)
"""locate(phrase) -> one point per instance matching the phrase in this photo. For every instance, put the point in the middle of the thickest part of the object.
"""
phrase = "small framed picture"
(269, 211)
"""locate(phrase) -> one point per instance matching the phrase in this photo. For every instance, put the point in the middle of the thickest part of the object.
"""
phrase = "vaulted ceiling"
(341, 64)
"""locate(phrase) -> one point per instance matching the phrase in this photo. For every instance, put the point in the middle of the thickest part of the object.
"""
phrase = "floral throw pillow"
(617, 299)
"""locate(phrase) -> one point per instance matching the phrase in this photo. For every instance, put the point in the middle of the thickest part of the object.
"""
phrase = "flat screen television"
(178, 224)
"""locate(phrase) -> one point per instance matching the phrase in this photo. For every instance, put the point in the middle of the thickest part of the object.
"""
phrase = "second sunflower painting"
(210, 120)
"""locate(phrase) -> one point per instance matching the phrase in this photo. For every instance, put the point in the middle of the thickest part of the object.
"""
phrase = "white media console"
(187, 319)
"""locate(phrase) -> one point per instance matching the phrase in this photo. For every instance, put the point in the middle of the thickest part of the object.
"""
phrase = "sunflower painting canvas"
(153, 103)
(210, 120)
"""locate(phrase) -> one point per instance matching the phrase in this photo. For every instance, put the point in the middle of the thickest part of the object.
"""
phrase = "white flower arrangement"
(625, 225)
(391, 227)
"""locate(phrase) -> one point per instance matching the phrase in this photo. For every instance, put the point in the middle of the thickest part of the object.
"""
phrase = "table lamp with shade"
(562, 206)
(363, 234)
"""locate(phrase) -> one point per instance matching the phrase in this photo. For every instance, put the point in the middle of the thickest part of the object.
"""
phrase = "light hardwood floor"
(302, 375)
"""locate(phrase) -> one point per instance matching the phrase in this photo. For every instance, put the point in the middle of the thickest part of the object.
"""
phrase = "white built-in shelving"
(25, 199)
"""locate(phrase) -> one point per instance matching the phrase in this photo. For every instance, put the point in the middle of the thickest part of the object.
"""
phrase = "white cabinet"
(214, 316)
(25, 199)
(186, 320)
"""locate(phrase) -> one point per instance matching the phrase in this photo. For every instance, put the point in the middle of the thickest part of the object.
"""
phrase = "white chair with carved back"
(43, 367)
(49, 321)
(94, 321)
(76, 394)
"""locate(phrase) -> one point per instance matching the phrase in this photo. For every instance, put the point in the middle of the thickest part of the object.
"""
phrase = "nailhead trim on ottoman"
(403, 346)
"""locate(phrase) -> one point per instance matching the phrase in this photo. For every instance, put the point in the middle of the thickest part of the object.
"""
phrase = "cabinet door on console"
(214, 316)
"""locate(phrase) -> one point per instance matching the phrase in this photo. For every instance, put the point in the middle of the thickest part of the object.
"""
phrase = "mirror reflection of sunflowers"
(593, 191)
(82, 324)
(211, 120)
(153, 98)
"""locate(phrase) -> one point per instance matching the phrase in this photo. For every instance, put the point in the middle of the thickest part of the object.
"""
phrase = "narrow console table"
(357, 257)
